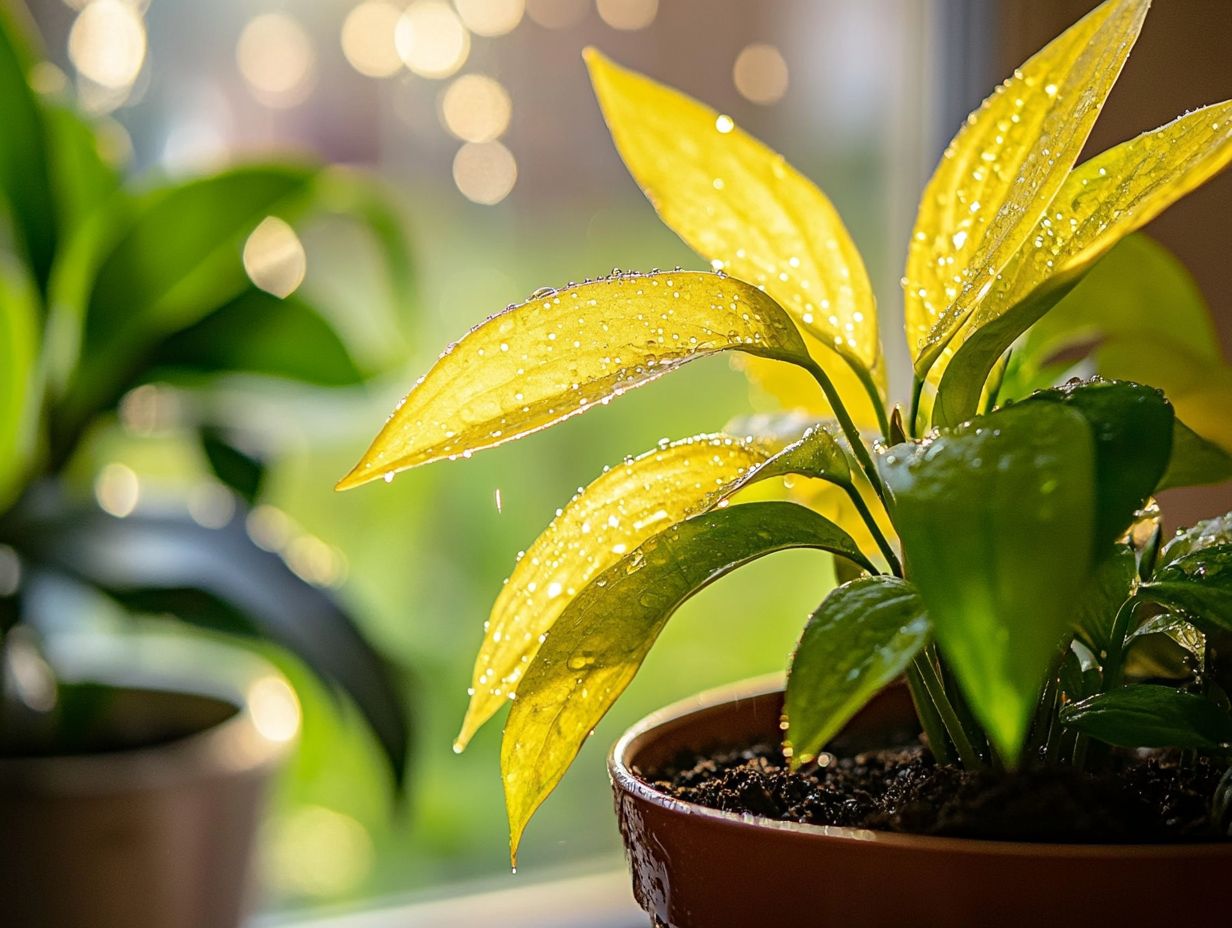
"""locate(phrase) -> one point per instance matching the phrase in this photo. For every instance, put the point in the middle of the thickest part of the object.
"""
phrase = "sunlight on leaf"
(19, 344)
(1198, 584)
(1102, 201)
(602, 637)
(624, 507)
(997, 520)
(742, 207)
(1004, 167)
(861, 638)
(565, 351)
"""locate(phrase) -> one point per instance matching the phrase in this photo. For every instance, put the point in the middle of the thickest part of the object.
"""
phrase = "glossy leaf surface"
(1208, 533)
(1132, 426)
(1003, 169)
(742, 207)
(1198, 584)
(861, 638)
(565, 351)
(1151, 716)
(602, 637)
(818, 453)
(1102, 201)
(997, 522)
(616, 513)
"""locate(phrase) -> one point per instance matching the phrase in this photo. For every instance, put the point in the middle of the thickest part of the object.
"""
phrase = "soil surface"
(1138, 800)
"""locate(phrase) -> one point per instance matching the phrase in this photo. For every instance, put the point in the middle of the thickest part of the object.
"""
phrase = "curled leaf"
(565, 351)
(600, 640)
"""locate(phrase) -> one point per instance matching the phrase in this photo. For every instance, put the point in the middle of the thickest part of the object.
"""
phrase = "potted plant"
(129, 794)
(998, 544)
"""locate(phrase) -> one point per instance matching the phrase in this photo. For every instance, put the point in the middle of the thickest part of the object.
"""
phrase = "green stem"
(913, 424)
(849, 428)
(1114, 662)
(972, 728)
(874, 529)
(930, 720)
(866, 380)
(967, 754)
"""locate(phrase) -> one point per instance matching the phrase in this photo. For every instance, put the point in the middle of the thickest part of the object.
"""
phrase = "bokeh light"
(628, 14)
(485, 172)
(117, 490)
(275, 57)
(760, 74)
(557, 14)
(274, 707)
(274, 257)
(476, 108)
(317, 852)
(431, 40)
(491, 17)
(107, 43)
(368, 38)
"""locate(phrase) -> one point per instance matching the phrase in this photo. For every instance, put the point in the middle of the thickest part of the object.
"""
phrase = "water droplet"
(724, 124)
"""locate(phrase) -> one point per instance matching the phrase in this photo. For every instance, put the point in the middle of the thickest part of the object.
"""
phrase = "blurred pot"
(695, 867)
(158, 830)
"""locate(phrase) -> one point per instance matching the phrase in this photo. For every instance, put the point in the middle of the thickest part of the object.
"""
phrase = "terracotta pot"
(699, 868)
(146, 837)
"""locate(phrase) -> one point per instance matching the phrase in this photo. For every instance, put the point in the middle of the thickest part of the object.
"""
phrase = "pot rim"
(250, 741)
(622, 775)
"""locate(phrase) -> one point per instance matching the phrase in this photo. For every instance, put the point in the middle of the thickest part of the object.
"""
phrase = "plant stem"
(967, 754)
(930, 720)
(1114, 662)
(974, 731)
(874, 529)
(866, 380)
(849, 428)
(917, 387)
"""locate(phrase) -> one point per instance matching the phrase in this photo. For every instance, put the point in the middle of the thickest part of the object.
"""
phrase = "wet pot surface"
(695, 867)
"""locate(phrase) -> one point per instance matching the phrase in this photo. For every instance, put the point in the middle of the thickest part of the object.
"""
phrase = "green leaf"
(602, 637)
(1198, 584)
(1194, 461)
(1151, 716)
(82, 178)
(1104, 594)
(25, 185)
(259, 333)
(566, 351)
(1205, 534)
(862, 637)
(1132, 426)
(997, 522)
(241, 471)
(19, 346)
(818, 454)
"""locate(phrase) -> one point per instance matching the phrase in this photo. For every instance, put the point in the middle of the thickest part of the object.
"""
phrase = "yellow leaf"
(565, 351)
(617, 512)
(742, 207)
(1101, 202)
(1004, 167)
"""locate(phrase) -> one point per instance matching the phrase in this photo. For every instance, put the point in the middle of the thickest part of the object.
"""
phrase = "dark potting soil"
(1140, 800)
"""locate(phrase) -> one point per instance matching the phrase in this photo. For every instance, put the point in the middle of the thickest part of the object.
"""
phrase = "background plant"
(1003, 520)
(106, 289)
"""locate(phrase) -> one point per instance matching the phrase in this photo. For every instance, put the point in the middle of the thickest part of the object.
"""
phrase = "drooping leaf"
(742, 207)
(862, 637)
(565, 351)
(1132, 426)
(1107, 198)
(602, 637)
(1198, 584)
(1108, 588)
(1201, 535)
(25, 185)
(259, 333)
(817, 453)
(1003, 169)
(997, 521)
(19, 346)
(620, 510)
(218, 578)
(1151, 716)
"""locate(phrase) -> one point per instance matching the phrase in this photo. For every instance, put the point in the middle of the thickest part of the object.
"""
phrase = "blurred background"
(479, 114)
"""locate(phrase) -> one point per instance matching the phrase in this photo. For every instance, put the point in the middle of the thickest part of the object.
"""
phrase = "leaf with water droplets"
(862, 637)
(620, 510)
(557, 355)
(745, 209)
(602, 637)
(997, 522)
(817, 453)
(1198, 584)
(1149, 715)
(1105, 199)
(1003, 169)
(1201, 535)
